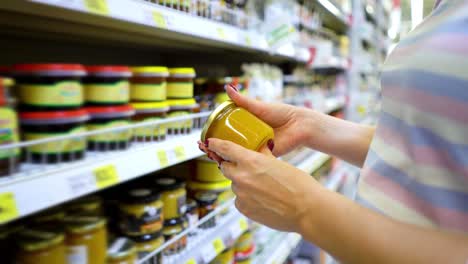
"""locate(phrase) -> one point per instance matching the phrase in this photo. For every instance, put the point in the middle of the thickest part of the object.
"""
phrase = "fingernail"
(233, 87)
(206, 142)
(200, 148)
(271, 144)
(209, 156)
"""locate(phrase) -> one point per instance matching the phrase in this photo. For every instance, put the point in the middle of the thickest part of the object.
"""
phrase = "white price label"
(81, 184)
(208, 253)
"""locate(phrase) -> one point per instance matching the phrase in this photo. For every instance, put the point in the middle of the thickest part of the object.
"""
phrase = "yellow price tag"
(243, 224)
(97, 6)
(8, 208)
(191, 261)
(162, 156)
(159, 19)
(221, 33)
(179, 153)
(218, 245)
(106, 176)
(248, 41)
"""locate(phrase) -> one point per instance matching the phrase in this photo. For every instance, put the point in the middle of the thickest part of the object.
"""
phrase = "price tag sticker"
(81, 184)
(248, 41)
(221, 33)
(106, 176)
(179, 153)
(97, 6)
(243, 224)
(162, 157)
(238, 228)
(218, 245)
(8, 207)
(191, 261)
(159, 19)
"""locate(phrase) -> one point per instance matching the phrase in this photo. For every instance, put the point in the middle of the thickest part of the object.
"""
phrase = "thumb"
(256, 107)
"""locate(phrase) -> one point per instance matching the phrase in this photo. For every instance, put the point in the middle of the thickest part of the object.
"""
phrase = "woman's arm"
(283, 197)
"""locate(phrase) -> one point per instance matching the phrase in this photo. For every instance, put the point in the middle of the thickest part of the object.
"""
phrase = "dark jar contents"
(9, 134)
(107, 85)
(206, 204)
(49, 86)
(180, 83)
(182, 5)
(146, 244)
(41, 125)
(172, 228)
(40, 247)
(122, 251)
(141, 212)
(180, 108)
(148, 84)
(108, 117)
(146, 112)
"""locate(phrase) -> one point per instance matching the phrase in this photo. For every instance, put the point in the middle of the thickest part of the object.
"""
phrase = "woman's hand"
(268, 190)
(288, 122)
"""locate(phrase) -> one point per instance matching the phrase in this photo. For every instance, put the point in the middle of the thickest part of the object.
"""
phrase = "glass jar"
(89, 205)
(146, 112)
(182, 5)
(172, 228)
(146, 244)
(208, 171)
(214, 187)
(86, 239)
(233, 123)
(107, 85)
(40, 247)
(192, 216)
(49, 86)
(174, 197)
(41, 125)
(148, 84)
(107, 117)
(122, 251)
(50, 220)
(180, 83)
(180, 108)
(225, 257)
(141, 212)
(244, 243)
(206, 204)
(9, 134)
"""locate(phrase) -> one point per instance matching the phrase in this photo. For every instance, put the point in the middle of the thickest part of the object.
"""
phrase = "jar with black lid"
(107, 85)
(172, 228)
(206, 204)
(146, 244)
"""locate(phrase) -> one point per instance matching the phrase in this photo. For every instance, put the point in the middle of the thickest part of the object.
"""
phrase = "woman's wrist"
(313, 128)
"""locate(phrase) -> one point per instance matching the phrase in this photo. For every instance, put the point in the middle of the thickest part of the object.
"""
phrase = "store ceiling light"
(330, 6)
(417, 11)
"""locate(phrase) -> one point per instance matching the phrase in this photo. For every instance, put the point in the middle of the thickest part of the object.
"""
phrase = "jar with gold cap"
(40, 247)
(214, 187)
(225, 257)
(233, 123)
(148, 243)
(148, 84)
(207, 171)
(173, 195)
(146, 112)
(50, 219)
(179, 108)
(86, 239)
(122, 251)
(172, 228)
(89, 205)
(180, 83)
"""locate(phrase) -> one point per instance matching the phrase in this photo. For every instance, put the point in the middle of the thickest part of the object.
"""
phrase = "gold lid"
(209, 186)
(32, 240)
(121, 248)
(79, 224)
(213, 116)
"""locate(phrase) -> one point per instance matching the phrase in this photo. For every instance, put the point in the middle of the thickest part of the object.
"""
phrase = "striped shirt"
(417, 167)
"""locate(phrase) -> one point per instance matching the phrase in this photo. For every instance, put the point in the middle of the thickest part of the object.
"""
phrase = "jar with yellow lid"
(208, 171)
(89, 205)
(233, 123)
(50, 220)
(179, 108)
(122, 251)
(146, 244)
(107, 85)
(225, 257)
(141, 212)
(216, 187)
(146, 112)
(172, 228)
(180, 83)
(148, 84)
(174, 197)
(40, 247)
(86, 239)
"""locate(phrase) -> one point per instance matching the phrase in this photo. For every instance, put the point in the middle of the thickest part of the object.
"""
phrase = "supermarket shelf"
(135, 22)
(333, 15)
(334, 181)
(313, 162)
(30, 192)
(279, 248)
(336, 63)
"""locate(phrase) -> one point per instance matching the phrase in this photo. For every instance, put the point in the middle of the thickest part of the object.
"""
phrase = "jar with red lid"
(43, 125)
(9, 158)
(107, 117)
(49, 86)
(107, 85)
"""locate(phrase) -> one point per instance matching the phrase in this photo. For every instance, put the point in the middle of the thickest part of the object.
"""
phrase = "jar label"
(117, 92)
(9, 126)
(56, 147)
(119, 136)
(180, 124)
(64, 93)
(138, 220)
(179, 89)
(148, 131)
(77, 255)
(176, 2)
(148, 91)
(181, 204)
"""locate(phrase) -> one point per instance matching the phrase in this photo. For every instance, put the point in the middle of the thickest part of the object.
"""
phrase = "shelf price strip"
(159, 20)
(210, 251)
(97, 6)
(237, 229)
(8, 208)
(106, 176)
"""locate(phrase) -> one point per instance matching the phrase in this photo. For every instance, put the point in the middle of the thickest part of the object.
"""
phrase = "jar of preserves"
(206, 204)
(107, 85)
(146, 244)
(208, 171)
(49, 86)
(180, 108)
(141, 212)
(214, 187)
(174, 197)
(244, 242)
(225, 257)
(107, 117)
(50, 220)
(9, 134)
(89, 205)
(40, 247)
(41, 125)
(148, 84)
(172, 228)
(122, 251)
(146, 112)
(180, 83)
(233, 123)
(192, 216)
(86, 239)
